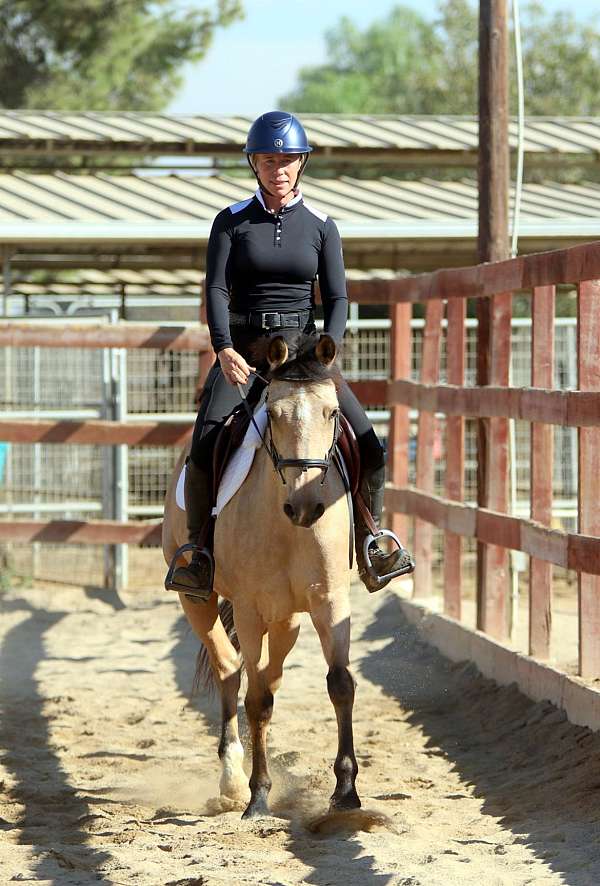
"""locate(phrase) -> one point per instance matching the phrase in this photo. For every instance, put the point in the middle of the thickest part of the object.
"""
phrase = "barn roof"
(400, 139)
(163, 221)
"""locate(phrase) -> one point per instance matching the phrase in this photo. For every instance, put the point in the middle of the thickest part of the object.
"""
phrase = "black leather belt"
(272, 319)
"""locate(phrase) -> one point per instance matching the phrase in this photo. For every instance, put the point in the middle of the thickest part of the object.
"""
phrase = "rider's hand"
(235, 369)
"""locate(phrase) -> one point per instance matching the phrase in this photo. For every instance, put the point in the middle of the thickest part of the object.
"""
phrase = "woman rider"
(264, 256)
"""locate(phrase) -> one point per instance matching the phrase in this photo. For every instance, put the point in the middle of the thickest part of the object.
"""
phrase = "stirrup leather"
(171, 585)
(407, 563)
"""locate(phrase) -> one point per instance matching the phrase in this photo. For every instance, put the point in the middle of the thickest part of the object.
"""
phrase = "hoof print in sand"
(351, 821)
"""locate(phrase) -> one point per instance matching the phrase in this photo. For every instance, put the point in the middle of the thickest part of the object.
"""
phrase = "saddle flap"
(229, 438)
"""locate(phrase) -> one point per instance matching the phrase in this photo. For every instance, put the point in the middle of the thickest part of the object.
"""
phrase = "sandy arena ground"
(108, 770)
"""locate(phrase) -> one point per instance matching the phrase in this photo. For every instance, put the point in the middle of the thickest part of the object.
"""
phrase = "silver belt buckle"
(265, 324)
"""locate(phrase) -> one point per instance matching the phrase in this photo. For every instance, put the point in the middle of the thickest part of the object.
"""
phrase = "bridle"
(279, 463)
(303, 464)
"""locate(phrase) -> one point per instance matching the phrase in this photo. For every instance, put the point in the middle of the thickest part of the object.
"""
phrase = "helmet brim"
(272, 150)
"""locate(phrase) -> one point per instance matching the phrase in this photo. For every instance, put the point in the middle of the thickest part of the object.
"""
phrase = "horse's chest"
(281, 576)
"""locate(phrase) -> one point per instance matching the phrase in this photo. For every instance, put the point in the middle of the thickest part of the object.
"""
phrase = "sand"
(109, 771)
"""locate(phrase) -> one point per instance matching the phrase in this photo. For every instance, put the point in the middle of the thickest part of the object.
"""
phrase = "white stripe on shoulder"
(317, 212)
(237, 207)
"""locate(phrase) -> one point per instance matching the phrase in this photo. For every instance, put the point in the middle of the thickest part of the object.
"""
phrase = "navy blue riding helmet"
(277, 132)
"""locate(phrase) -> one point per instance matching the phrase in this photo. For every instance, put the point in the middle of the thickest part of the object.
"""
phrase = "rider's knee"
(372, 451)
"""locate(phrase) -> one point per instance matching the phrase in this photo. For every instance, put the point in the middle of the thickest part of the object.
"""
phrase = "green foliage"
(406, 64)
(561, 64)
(101, 54)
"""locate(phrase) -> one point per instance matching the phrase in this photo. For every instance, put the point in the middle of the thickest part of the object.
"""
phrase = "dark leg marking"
(259, 709)
(340, 686)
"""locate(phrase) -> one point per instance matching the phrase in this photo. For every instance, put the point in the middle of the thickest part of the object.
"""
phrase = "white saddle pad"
(238, 468)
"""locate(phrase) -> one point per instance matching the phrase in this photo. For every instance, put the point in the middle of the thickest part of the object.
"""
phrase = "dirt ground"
(108, 770)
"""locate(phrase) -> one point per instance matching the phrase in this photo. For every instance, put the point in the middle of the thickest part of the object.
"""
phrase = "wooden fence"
(444, 292)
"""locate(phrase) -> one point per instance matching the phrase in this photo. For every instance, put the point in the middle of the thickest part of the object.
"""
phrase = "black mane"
(302, 363)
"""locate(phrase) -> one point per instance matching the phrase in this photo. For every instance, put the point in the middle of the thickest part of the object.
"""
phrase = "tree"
(101, 54)
(406, 64)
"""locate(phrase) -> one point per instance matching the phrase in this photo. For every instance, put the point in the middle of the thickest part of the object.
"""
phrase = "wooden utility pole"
(493, 314)
(493, 167)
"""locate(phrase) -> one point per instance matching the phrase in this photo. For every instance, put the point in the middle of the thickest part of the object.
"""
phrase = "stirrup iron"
(407, 566)
(171, 585)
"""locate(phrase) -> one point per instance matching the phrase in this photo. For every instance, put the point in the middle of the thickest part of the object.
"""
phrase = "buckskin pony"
(281, 548)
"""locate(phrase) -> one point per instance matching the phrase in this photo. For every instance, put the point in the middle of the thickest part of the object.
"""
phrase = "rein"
(279, 463)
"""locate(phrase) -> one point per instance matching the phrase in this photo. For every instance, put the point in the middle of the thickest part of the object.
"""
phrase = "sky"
(254, 61)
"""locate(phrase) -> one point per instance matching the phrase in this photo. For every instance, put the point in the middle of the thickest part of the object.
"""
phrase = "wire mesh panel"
(161, 382)
(41, 474)
(150, 470)
(54, 481)
(366, 351)
(50, 378)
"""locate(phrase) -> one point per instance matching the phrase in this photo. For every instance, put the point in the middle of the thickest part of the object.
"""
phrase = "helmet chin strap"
(266, 190)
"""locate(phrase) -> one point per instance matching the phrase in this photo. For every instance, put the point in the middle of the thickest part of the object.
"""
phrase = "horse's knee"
(340, 685)
(259, 707)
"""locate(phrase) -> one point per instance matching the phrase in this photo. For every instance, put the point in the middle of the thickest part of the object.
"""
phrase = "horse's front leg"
(264, 654)
(332, 622)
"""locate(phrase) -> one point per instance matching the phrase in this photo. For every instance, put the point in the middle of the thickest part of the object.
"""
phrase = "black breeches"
(219, 398)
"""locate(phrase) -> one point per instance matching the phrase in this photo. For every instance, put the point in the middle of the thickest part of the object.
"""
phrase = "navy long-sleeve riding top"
(259, 260)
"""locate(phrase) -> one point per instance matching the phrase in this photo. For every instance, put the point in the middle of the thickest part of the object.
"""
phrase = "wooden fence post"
(542, 464)
(399, 432)
(588, 369)
(430, 370)
(493, 609)
(456, 310)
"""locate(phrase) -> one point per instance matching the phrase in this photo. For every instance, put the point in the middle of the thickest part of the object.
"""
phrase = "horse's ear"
(277, 352)
(326, 350)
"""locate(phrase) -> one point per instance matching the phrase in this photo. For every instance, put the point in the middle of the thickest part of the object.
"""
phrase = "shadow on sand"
(46, 803)
(533, 769)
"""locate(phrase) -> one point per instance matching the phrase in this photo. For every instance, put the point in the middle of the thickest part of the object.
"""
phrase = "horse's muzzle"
(304, 515)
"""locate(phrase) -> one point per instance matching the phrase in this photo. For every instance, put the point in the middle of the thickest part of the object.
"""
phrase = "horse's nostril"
(319, 511)
(289, 511)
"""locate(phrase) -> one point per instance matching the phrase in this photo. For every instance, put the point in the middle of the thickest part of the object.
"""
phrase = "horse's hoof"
(235, 789)
(345, 802)
(256, 809)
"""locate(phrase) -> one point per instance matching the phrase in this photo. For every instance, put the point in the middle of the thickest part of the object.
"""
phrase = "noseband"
(303, 464)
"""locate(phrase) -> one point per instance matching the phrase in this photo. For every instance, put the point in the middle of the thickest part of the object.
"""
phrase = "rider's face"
(278, 172)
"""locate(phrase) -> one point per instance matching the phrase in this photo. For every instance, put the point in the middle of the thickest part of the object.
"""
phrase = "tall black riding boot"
(385, 566)
(195, 579)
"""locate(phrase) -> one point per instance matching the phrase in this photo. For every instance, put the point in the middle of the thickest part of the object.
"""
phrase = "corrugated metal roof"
(48, 132)
(145, 199)
(93, 282)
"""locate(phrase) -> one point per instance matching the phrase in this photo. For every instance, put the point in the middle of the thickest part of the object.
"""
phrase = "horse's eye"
(334, 414)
